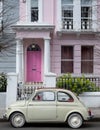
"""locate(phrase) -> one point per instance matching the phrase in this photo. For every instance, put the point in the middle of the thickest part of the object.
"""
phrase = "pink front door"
(33, 66)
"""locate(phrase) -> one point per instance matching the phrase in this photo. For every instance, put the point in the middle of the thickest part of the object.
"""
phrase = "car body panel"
(41, 111)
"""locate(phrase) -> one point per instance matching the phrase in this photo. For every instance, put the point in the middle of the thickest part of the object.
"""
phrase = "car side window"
(45, 96)
(38, 97)
(64, 97)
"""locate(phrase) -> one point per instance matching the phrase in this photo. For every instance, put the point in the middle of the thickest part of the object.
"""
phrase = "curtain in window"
(87, 59)
(67, 59)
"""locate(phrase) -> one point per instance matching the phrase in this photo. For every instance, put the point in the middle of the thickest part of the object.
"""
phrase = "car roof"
(54, 89)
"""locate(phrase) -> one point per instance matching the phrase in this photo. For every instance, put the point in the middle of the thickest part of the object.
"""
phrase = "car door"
(65, 104)
(42, 107)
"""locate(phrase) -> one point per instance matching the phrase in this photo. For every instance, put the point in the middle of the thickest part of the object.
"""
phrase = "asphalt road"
(86, 126)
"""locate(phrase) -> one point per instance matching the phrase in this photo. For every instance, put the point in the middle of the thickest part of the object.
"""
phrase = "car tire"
(75, 120)
(17, 120)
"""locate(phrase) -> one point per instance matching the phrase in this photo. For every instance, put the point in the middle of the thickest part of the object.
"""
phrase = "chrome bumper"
(90, 117)
(5, 116)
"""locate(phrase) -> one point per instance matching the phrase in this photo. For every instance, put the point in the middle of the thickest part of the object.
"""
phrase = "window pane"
(67, 12)
(86, 12)
(48, 96)
(64, 97)
(67, 52)
(67, 67)
(66, 59)
(45, 96)
(34, 3)
(33, 47)
(38, 97)
(34, 10)
(87, 59)
(67, 1)
(86, 2)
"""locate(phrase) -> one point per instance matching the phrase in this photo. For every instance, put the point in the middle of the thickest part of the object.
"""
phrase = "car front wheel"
(17, 120)
(75, 120)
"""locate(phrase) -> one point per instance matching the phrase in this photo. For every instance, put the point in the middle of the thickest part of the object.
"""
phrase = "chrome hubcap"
(18, 120)
(75, 121)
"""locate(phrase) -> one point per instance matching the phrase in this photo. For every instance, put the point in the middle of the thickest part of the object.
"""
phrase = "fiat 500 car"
(49, 105)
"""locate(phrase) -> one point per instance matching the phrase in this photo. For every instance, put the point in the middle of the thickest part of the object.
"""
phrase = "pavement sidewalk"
(95, 111)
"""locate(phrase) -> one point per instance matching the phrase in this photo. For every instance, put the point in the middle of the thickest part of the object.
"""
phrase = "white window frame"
(86, 22)
(77, 15)
(28, 11)
(94, 15)
(67, 22)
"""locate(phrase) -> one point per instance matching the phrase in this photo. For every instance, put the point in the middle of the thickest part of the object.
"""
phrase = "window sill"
(77, 32)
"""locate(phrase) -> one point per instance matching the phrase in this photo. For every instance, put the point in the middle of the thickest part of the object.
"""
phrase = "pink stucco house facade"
(56, 37)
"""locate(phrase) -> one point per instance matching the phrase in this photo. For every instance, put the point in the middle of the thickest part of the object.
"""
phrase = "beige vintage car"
(49, 105)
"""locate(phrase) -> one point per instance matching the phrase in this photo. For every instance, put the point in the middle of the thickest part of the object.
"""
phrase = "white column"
(46, 55)
(19, 60)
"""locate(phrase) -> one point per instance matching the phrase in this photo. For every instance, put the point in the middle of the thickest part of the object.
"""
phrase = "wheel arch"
(74, 113)
(16, 112)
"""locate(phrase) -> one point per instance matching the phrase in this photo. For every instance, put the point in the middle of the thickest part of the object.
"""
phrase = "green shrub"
(3, 82)
(75, 84)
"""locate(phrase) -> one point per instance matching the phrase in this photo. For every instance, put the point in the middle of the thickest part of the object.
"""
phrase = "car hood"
(19, 103)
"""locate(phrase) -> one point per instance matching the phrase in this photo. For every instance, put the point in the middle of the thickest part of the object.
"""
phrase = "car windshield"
(28, 96)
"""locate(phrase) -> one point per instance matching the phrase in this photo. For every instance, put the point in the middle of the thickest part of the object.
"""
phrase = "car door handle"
(31, 105)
